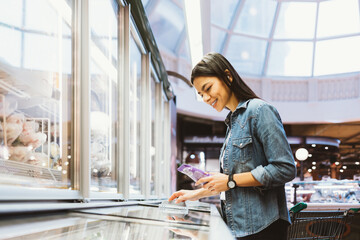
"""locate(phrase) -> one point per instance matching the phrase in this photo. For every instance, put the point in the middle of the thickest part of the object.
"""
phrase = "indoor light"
(301, 154)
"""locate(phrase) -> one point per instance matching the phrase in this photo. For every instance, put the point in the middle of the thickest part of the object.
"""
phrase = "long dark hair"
(214, 65)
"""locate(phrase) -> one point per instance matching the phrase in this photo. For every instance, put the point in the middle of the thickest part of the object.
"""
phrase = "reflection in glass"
(135, 116)
(86, 226)
(153, 212)
(35, 93)
(103, 80)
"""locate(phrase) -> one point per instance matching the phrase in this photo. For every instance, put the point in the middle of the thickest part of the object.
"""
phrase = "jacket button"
(240, 144)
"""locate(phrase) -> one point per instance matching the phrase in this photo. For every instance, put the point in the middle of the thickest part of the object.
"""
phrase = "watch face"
(231, 184)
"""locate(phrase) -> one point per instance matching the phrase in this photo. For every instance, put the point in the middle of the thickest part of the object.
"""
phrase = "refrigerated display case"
(138, 221)
(325, 195)
(35, 94)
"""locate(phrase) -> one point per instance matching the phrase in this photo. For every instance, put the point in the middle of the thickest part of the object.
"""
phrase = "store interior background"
(301, 56)
(109, 87)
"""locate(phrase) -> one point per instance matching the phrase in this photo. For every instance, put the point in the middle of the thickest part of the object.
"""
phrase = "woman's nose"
(206, 97)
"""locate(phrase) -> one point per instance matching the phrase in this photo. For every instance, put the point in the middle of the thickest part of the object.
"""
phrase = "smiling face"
(215, 93)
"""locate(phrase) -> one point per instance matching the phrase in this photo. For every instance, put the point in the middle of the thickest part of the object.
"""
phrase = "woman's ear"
(228, 75)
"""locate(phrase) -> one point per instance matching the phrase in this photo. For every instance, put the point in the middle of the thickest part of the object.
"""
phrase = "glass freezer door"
(104, 83)
(36, 93)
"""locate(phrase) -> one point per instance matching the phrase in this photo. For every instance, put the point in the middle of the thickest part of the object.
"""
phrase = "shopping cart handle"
(355, 210)
(298, 207)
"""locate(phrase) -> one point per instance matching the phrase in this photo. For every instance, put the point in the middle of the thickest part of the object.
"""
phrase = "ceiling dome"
(263, 38)
(302, 56)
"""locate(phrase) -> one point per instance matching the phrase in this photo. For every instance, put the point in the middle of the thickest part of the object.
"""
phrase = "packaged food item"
(174, 208)
(194, 173)
(12, 127)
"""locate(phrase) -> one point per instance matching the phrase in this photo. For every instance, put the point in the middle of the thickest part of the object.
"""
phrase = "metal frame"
(84, 116)
(158, 137)
(167, 149)
(124, 89)
(24, 193)
(145, 160)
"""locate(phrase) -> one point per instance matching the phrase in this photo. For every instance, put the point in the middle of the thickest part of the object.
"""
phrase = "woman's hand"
(184, 195)
(216, 183)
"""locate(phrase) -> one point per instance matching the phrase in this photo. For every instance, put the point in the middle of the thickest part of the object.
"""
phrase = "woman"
(255, 160)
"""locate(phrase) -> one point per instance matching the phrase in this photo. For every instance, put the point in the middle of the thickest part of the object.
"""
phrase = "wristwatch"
(231, 183)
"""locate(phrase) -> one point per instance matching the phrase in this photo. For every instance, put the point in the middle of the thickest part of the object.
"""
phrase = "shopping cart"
(319, 225)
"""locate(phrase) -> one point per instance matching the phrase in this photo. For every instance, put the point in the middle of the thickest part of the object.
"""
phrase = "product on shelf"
(30, 135)
(329, 191)
(38, 158)
(12, 127)
(99, 148)
(19, 153)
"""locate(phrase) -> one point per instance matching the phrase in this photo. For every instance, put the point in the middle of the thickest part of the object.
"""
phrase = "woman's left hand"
(216, 183)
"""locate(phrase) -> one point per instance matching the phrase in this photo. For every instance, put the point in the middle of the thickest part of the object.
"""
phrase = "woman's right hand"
(184, 195)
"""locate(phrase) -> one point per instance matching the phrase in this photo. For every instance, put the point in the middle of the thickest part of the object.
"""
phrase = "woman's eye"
(208, 88)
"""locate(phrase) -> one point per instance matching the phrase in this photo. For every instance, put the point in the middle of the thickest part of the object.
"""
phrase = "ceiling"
(279, 39)
(267, 38)
(347, 133)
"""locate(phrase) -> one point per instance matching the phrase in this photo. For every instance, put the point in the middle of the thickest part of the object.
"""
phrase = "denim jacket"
(257, 144)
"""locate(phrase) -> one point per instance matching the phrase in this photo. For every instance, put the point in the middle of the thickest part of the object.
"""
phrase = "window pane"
(247, 54)
(338, 17)
(256, 18)
(337, 56)
(217, 39)
(11, 12)
(10, 47)
(290, 59)
(135, 116)
(103, 82)
(294, 23)
(184, 51)
(223, 11)
(35, 94)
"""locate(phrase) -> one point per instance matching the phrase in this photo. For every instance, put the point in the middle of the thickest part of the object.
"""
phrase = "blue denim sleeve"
(281, 166)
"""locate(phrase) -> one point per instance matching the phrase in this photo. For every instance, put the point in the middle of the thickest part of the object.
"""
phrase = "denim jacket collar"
(242, 104)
